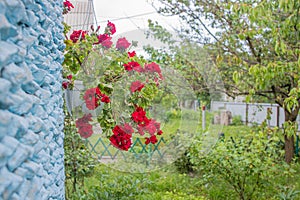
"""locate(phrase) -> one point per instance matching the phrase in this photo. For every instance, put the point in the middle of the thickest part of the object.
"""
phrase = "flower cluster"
(111, 28)
(67, 6)
(148, 67)
(78, 35)
(122, 44)
(121, 137)
(69, 82)
(79, 45)
(93, 96)
(84, 128)
(145, 124)
(136, 86)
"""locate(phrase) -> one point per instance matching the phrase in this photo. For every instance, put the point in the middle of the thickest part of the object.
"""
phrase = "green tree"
(255, 44)
(187, 58)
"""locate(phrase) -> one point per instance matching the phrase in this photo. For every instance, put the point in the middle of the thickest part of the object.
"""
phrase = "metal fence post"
(297, 145)
(203, 118)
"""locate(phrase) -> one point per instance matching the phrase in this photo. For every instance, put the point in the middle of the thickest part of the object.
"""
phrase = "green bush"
(79, 163)
(184, 164)
(245, 166)
(236, 121)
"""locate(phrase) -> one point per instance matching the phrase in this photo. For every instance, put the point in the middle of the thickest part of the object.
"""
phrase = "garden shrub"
(236, 120)
(79, 163)
(184, 164)
(244, 166)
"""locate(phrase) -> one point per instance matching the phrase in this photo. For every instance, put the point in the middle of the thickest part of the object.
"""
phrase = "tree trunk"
(289, 148)
(289, 144)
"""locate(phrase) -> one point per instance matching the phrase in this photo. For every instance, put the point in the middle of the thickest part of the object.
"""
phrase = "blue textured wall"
(31, 115)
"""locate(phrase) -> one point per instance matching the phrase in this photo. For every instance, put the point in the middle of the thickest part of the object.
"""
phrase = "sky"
(131, 20)
(130, 15)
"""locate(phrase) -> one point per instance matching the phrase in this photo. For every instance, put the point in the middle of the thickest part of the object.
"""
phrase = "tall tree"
(257, 44)
(188, 58)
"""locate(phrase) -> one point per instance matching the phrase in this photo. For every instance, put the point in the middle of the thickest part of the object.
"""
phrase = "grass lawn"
(166, 183)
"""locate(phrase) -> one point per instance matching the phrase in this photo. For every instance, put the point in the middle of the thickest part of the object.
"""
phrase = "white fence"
(253, 112)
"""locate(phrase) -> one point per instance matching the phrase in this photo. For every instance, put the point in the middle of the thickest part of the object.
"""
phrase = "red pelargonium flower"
(133, 66)
(84, 128)
(78, 34)
(121, 139)
(85, 119)
(152, 67)
(65, 84)
(67, 6)
(152, 126)
(128, 128)
(101, 38)
(122, 44)
(104, 40)
(111, 27)
(160, 132)
(86, 131)
(140, 129)
(92, 97)
(152, 139)
(105, 98)
(107, 43)
(136, 86)
(70, 77)
(131, 54)
(139, 116)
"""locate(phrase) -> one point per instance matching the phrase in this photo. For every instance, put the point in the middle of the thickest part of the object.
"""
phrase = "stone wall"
(31, 115)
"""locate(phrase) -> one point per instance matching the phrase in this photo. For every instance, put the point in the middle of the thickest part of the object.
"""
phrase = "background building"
(82, 16)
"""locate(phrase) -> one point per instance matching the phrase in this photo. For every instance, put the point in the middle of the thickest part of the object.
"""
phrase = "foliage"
(119, 86)
(79, 163)
(288, 193)
(163, 184)
(184, 164)
(237, 120)
(186, 57)
(167, 184)
(247, 164)
(255, 44)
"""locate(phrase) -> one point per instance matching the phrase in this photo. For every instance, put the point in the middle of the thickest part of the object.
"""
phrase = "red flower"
(78, 34)
(152, 127)
(131, 54)
(122, 44)
(107, 43)
(92, 97)
(83, 120)
(101, 38)
(128, 129)
(70, 77)
(117, 129)
(136, 86)
(133, 66)
(111, 27)
(105, 99)
(67, 6)
(139, 115)
(105, 40)
(86, 131)
(160, 132)
(120, 138)
(65, 84)
(152, 139)
(152, 67)
(84, 128)
(141, 130)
